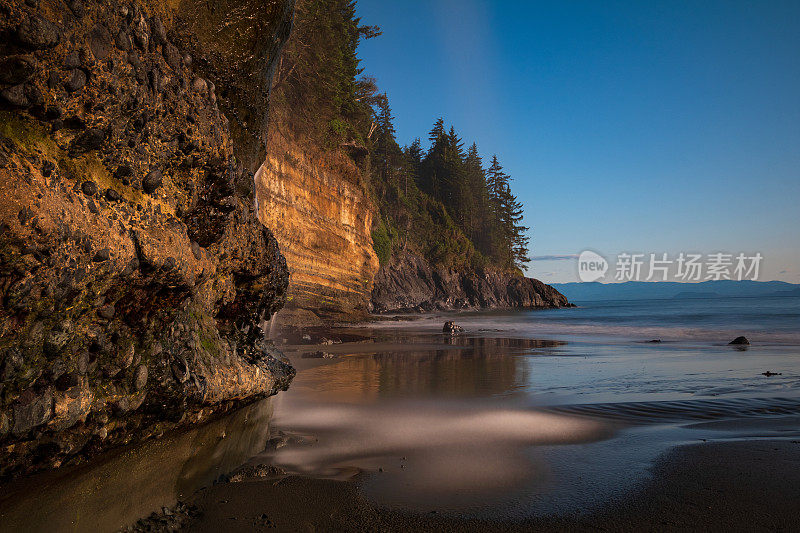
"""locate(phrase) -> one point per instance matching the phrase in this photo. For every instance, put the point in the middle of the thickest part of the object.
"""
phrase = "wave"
(683, 410)
(524, 324)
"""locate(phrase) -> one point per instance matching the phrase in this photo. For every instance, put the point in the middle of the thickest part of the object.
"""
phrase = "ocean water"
(772, 320)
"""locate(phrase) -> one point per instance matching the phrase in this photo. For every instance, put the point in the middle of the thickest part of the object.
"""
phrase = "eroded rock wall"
(322, 218)
(134, 272)
(409, 283)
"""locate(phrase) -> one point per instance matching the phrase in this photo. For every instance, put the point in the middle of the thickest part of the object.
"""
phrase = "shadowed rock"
(410, 283)
(115, 326)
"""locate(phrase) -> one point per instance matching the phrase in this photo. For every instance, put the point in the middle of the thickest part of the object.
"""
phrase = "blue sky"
(627, 126)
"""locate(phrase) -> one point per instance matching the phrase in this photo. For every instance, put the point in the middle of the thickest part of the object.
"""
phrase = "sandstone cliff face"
(322, 220)
(409, 283)
(134, 272)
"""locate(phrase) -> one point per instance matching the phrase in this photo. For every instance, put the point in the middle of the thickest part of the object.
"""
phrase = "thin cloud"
(554, 257)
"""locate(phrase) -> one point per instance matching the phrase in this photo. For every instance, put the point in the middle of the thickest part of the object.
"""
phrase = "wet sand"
(694, 461)
(736, 486)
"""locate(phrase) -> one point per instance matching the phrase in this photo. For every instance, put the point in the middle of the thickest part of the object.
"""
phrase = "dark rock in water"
(318, 355)
(89, 188)
(741, 340)
(38, 33)
(16, 69)
(452, 328)
(76, 80)
(250, 472)
(152, 181)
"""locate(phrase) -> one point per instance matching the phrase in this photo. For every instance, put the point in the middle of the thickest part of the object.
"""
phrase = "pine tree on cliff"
(509, 238)
(476, 181)
(457, 198)
(436, 132)
(412, 155)
(387, 156)
(518, 232)
(431, 175)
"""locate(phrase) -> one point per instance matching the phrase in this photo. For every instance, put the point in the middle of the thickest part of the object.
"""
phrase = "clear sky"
(638, 126)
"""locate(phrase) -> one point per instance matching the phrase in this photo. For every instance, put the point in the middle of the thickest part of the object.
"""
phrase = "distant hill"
(660, 290)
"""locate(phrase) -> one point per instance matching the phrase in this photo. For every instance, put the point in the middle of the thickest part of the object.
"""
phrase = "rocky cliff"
(322, 218)
(134, 272)
(409, 283)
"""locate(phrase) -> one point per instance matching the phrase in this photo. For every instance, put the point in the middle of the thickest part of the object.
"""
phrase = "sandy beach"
(733, 486)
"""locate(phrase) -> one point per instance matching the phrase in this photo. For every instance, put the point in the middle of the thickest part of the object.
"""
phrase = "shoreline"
(741, 485)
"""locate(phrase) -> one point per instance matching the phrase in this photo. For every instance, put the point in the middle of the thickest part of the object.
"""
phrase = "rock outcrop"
(409, 283)
(134, 272)
(322, 218)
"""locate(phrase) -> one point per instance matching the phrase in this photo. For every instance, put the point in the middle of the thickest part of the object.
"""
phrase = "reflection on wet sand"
(432, 414)
(438, 366)
(457, 452)
(123, 486)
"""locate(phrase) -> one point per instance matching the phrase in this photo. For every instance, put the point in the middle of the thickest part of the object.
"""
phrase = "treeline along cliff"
(366, 224)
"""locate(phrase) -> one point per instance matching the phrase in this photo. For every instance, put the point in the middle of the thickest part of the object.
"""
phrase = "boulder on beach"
(451, 328)
(741, 340)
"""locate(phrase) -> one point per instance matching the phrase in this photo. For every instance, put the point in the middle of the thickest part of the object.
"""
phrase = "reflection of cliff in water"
(124, 485)
(459, 367)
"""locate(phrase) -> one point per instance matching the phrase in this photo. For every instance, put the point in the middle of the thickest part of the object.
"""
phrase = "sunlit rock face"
(322, 218)
(134, 272)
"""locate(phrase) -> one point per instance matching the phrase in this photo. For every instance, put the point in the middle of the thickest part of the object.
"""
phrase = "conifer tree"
(476, 181)
(386, 153)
